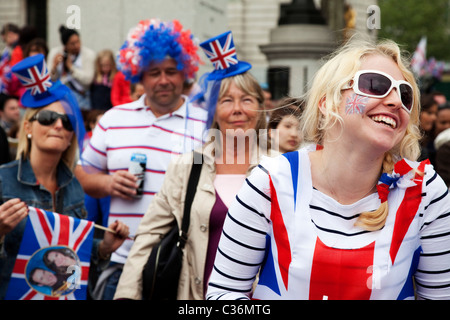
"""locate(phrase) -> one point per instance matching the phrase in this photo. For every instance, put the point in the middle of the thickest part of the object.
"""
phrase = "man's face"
(44, 278)
(163, 85)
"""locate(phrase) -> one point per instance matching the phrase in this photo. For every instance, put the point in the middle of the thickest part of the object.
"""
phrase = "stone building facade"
(105, 23)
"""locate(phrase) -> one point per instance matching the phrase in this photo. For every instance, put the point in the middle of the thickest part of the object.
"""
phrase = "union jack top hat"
(221, 52)
(41, 91)
(34, 76)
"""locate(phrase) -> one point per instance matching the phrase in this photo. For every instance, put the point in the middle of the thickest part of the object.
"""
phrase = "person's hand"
(123, 184)
(113, 240)
(59, 58)
(11, 213)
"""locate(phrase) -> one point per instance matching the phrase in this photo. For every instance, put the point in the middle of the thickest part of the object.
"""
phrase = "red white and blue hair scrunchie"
(402, 177)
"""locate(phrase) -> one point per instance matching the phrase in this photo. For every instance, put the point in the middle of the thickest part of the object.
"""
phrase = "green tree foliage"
(406, 21)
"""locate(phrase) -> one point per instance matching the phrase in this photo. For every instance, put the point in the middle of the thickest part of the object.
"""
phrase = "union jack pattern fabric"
(221, 51)
(309, 247)
(337, 271)
(35, 78)
(38, 276)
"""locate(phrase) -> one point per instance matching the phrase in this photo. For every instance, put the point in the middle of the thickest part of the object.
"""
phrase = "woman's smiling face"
(378, 122)
(237, 110)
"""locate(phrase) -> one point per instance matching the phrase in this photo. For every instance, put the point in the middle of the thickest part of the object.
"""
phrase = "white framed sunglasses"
(377, 84)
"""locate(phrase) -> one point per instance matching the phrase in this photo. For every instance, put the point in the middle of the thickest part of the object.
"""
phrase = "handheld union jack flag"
(35, 78)
(221, 51)
(54, 258)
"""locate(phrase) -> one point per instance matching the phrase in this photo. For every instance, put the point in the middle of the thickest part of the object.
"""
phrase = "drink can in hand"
(137, 167)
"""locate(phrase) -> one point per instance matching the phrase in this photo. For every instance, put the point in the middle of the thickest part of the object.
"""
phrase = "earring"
(29, 136)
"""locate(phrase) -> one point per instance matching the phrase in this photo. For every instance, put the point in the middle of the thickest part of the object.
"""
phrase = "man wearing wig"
(162, 56)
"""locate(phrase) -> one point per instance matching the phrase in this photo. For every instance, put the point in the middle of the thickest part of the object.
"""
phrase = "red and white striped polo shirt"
(133, 128)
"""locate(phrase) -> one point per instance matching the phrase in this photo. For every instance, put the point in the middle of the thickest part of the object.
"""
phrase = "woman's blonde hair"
(326, 90)
(24, 144)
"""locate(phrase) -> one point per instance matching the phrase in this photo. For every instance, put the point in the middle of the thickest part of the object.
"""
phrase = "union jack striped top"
(133, 128)
(305, 245)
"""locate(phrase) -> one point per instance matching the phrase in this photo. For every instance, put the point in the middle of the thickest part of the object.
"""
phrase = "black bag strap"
(190, 193)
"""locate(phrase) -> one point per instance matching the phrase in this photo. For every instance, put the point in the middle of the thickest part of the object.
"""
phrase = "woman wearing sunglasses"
(42, 176)
(358, 218)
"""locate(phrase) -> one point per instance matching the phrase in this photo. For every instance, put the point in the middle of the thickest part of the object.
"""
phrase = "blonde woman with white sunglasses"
(356, 218)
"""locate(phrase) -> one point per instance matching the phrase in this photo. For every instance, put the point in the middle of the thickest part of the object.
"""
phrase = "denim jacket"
(17, 180)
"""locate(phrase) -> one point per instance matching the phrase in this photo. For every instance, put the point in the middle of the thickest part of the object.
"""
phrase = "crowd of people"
(434, 122)
(286, 188)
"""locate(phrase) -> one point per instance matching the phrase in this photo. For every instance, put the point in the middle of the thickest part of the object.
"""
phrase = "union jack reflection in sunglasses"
(48, 117)
(377, 84)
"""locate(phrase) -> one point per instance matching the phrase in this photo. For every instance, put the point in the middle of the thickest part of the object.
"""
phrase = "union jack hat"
(41, 91)
(34, 76)
(221, 51)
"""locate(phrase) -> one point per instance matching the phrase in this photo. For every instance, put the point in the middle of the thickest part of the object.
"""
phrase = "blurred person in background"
(73, 64)
(284, 125)
(428, 116)
(105, 70)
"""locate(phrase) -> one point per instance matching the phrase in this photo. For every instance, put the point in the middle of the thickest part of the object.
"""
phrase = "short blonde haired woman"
(358, 218)
(42, 175)
(68, 154)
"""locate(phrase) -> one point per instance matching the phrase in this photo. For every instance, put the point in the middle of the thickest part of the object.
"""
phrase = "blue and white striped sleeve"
(242, 245)
(433, 273)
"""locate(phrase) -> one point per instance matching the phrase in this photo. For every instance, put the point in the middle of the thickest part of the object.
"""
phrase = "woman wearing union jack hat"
(357, 218)
(42, 175)
(235, 104)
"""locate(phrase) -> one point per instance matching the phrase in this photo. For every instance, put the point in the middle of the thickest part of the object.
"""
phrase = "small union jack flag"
(36, 78)
(356, 104)
(221, 51)
(54, 258)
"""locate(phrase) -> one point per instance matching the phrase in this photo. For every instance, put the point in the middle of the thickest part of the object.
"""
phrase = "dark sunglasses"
(48, 117)
(377, 84)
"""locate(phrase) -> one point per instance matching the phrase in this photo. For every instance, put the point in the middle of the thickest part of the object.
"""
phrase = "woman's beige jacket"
(166, 206)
